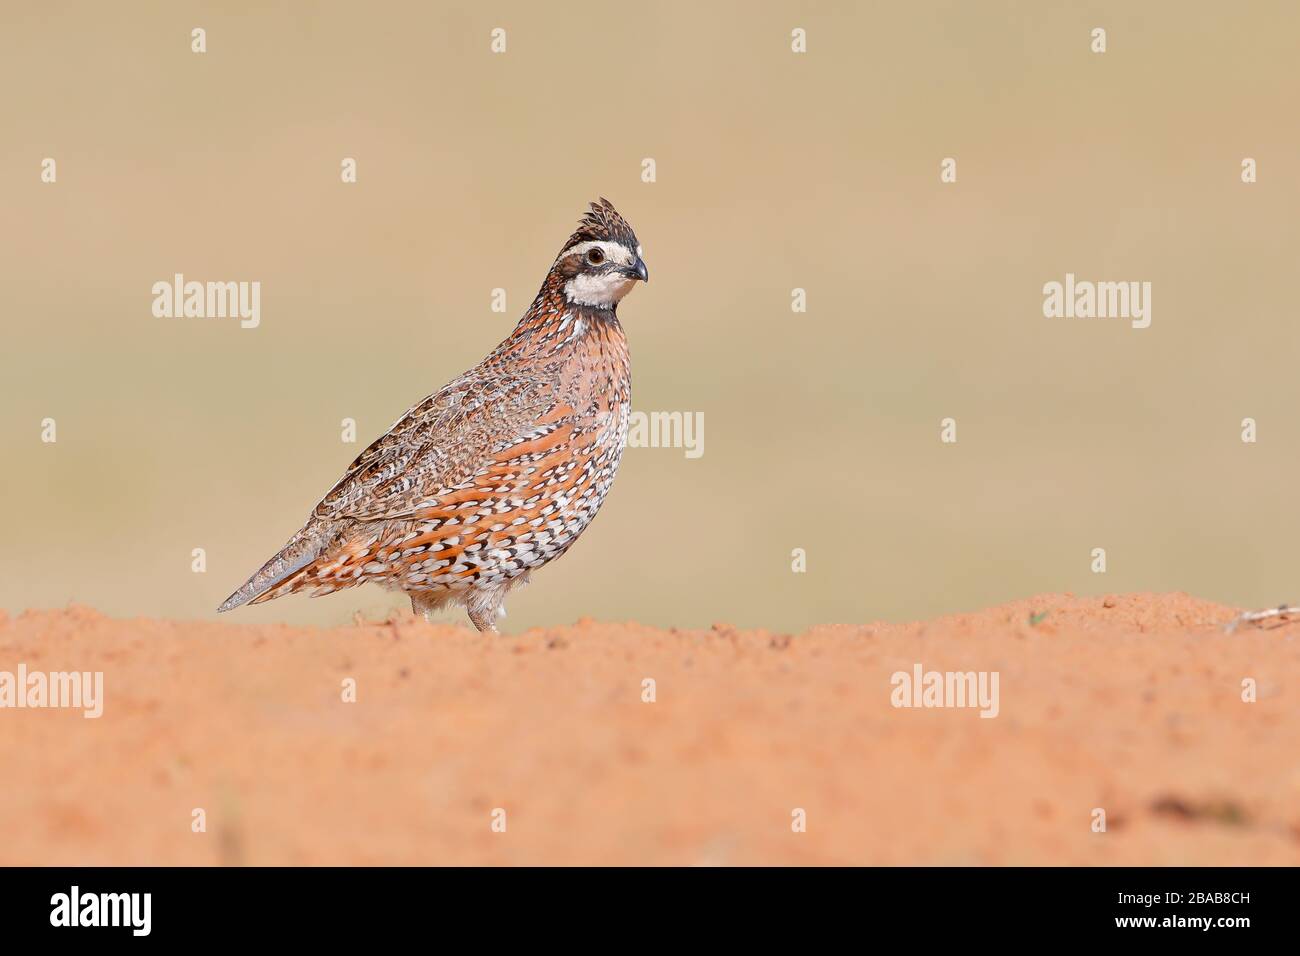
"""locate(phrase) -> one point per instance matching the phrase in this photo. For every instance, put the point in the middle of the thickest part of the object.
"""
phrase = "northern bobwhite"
(499, 471)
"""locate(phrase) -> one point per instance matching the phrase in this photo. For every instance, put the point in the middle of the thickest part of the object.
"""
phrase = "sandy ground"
(1132, 704)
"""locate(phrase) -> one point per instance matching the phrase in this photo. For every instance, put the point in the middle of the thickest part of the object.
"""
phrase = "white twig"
(1254, 617)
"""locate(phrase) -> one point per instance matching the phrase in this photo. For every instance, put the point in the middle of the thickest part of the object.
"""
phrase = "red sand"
(1131, 704)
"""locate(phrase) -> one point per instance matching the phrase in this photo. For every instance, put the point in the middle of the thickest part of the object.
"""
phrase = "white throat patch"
(600, 291)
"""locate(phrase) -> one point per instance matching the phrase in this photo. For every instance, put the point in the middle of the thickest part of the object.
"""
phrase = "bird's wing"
(438, 445)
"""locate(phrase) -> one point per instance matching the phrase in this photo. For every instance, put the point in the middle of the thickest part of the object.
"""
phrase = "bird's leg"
(484, 607)
(1254, 617)
(485, 619)
(422, 604)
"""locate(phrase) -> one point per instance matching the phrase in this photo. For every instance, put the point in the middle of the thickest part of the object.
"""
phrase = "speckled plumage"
(498, 472)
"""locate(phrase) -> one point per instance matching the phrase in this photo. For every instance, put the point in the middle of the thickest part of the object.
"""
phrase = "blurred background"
(775, 170)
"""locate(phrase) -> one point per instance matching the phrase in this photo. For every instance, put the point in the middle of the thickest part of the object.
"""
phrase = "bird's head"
(602, 259)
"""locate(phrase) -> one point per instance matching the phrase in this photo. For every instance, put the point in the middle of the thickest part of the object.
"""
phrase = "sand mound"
(1131, 704)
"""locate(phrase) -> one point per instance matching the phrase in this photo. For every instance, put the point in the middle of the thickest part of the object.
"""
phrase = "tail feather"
(303, 548)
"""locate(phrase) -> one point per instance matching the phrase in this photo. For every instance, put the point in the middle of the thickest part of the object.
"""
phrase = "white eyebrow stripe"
(613, 250)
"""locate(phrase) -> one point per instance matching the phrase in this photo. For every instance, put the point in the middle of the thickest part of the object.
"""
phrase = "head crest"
(603, 224)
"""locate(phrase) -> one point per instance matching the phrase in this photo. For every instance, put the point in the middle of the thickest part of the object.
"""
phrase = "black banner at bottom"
(339, 905)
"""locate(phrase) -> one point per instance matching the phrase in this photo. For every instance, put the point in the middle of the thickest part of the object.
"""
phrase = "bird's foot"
(485, 619)
(1254, 617)
(485, 605)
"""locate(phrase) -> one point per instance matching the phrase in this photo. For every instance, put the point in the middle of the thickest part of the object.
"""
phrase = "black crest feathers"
(603, 224)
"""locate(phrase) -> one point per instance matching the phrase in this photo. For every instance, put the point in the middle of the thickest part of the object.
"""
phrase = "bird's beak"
(637, 270)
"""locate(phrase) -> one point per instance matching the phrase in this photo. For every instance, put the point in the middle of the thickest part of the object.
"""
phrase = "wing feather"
(437, 446)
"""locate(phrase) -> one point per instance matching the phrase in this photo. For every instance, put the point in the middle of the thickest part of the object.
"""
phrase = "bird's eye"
(595, 257)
